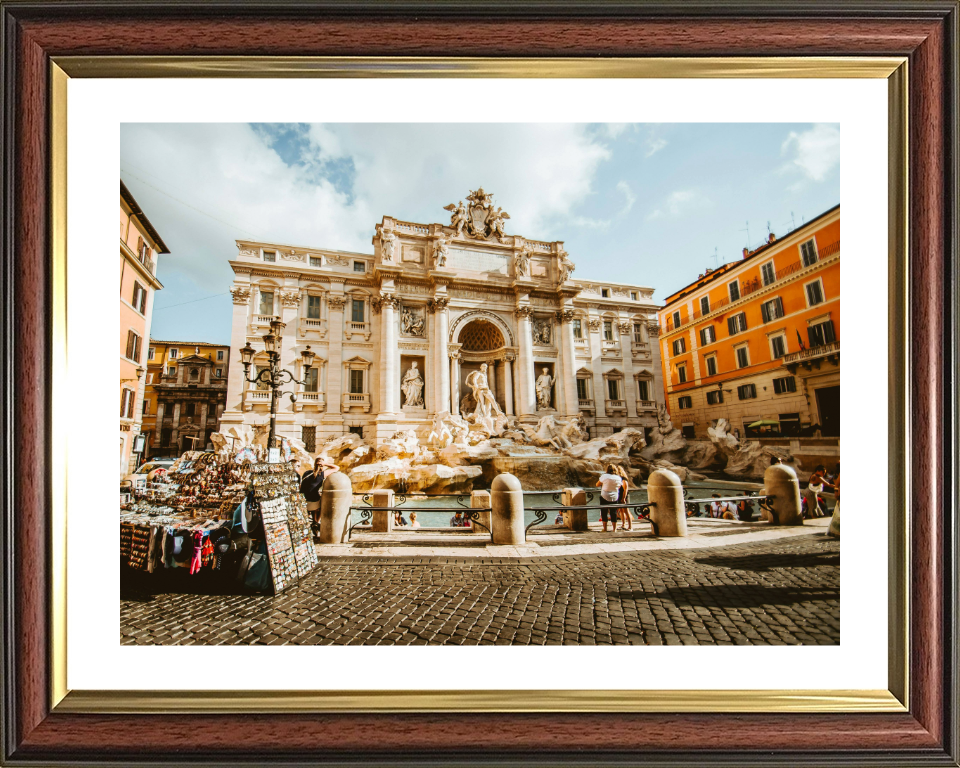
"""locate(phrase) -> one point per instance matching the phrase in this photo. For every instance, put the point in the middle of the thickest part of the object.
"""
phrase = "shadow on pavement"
(745, 596)
(767, 562)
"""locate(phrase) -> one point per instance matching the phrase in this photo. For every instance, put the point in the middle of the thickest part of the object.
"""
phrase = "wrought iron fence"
(693, 506)
(541, 512)
(366, 515)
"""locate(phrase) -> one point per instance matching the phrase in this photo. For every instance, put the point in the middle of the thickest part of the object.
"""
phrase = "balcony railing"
(646, 405)
(804, 355)
(357, 400)
(586, 403)
(259, 395)
(748, 287)
(616, 405)
(357, 329)
(580, 342)
(264, 319)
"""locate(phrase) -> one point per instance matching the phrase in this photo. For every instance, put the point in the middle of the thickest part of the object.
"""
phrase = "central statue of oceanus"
(487, 412)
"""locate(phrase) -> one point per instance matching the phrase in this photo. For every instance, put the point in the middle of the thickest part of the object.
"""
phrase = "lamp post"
(274, 376)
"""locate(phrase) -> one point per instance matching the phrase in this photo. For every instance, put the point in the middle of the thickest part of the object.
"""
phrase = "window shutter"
(703, 337)
(743, 321)
(792, 384)
(136, 348)
(779, 306)
(123, 402)
(828, 337)
(732, 325)
(764, 312)
(130, 337)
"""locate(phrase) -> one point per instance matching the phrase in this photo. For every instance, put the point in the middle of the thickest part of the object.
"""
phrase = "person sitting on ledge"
(413, 520)
(457, 520)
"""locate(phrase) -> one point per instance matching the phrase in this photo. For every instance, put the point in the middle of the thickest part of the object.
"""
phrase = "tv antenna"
(747, 230)
(716, 258)
(769, 231)
(793, 221)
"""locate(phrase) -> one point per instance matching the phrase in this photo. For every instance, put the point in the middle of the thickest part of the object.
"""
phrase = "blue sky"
(637, 203)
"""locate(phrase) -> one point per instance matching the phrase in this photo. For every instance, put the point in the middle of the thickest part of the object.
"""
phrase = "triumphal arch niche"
(400, 333)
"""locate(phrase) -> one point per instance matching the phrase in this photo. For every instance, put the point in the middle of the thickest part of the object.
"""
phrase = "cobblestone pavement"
(785, 591)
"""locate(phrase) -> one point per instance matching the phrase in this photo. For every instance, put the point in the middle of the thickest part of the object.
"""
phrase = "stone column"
(455, 382)
(508, 383)
(441, 367)
(595, 324)
(390, 359)
(203, 425)
(568, 350)
(626, 349)
(175, 432)
(527, 401)
(238, 338)
(335, 304)
(289, 314)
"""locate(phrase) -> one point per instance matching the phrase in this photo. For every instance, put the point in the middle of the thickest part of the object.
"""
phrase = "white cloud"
(630, 198)
(612, 130)
(654, 145)
(814, 152)
(679, 202)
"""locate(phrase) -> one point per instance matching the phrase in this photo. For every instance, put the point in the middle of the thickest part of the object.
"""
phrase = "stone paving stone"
(780, 591)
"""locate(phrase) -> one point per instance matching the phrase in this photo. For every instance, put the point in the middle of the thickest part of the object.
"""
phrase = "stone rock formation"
(619, 445)
(666, 441)
(753, 459)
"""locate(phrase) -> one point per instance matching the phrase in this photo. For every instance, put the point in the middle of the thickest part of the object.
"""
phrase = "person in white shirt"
(609, 485)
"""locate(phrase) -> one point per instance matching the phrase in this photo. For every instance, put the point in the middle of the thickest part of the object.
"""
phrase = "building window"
(358, 431)
(705, 305)
(313, 307)
(309, 437)
(679, 347)
(310, 381)
(219, 373)
(219, 354)
(577, 329)
(778, 347)
(174, 353)
(784, 384)
(127, 396)
(821, 333)
(262, 384)
(633, 295)
(607, 330)
(737, 323)
(682, 374)
(266, 302)
(359, 266)
(808, 252)
(149, 378)
(605, 293)
(747, 391)
(790, 424)
(191, 409)
(743, 357)
(150, 353)
(133, 346)
(582, 390)
(715, 397)
(356, 382)
(771, 310)
(814, 293)
(146, 407)
(139, 298)
(165, 435)
(708, 335)
(643, 389)
(358, 310)
(269, 256)
(171, 370)
(768, 273)
(613, 389)
(734, 289)
(676, 319)
(684, 402)
(711, 365)
(638, 333)
(688, 431)
(194, 374)
(315, 261)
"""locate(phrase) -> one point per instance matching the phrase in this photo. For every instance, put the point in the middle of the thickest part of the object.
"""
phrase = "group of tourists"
(614, 489)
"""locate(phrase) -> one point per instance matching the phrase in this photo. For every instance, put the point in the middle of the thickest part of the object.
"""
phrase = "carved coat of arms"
(479, 218)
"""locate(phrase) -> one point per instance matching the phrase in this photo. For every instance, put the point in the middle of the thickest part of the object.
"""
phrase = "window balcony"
(263, 320)
(351, 329)
(614, 406)
(586, 404)
(646, 405)
(813, 357)
(313, 325)
(315, 400)
(357, 400)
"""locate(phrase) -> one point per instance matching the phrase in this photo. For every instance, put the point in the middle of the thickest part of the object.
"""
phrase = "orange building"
(139, 246)
(758, 340)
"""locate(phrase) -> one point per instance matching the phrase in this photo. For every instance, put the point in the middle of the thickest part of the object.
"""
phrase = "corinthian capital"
(522, 312)
(241, 294)
(290, 298)
(336, 302)
(565, 316)
(438, 305)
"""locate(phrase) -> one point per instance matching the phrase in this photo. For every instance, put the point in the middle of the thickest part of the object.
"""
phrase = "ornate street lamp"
(274, 376)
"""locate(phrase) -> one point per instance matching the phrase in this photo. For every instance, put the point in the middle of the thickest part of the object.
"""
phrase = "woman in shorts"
(609, 485)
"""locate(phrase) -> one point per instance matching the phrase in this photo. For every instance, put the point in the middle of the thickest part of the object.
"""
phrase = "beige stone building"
(398, 331)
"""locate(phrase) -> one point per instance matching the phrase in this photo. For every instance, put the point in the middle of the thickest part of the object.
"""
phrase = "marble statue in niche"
(412, 387)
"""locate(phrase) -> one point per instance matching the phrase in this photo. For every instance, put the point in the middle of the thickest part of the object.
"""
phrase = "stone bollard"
(382, 521)
(667, 510)
(834, 529)
(574, 519)
(506, 499)
(335, 501)
(481, 500)
(780, 481)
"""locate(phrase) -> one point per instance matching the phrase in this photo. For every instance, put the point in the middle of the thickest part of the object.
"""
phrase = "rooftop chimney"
(771, 238)
(746, 252)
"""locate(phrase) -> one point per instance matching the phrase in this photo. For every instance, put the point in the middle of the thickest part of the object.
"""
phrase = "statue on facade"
(458, 220)
(412, 387)
(541, 332)
(495, 220)
(521, 263)
(566, 266)
(411, 321)
(388, 245)
(440, 253)
(544, 389)
(487, 412)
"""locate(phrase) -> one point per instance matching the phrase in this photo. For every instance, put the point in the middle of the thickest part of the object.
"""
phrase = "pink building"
(139, 246)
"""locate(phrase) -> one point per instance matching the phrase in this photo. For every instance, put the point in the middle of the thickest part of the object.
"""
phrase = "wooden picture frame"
(43, 42)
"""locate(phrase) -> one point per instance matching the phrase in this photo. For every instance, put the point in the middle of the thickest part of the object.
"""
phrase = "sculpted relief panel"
(477, 260)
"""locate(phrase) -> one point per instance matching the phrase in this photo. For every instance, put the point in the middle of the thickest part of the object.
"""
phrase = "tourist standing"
(814, 487)
(311, 484)
(626, 521)
(609, 485)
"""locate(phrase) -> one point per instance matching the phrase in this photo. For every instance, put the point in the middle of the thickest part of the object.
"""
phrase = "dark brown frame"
(925, 32)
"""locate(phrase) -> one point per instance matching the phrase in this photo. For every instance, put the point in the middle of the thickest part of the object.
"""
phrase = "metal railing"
(470, 515)
(692, 506)
(541, 512)
(400, 499)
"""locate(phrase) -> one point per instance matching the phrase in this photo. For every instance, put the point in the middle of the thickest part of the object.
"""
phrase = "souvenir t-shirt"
(609, 485)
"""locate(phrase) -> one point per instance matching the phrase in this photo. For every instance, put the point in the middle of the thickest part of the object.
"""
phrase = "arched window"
(194, 374)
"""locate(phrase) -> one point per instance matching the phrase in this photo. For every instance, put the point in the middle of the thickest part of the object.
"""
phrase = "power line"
(193, 301)
(188, 205)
